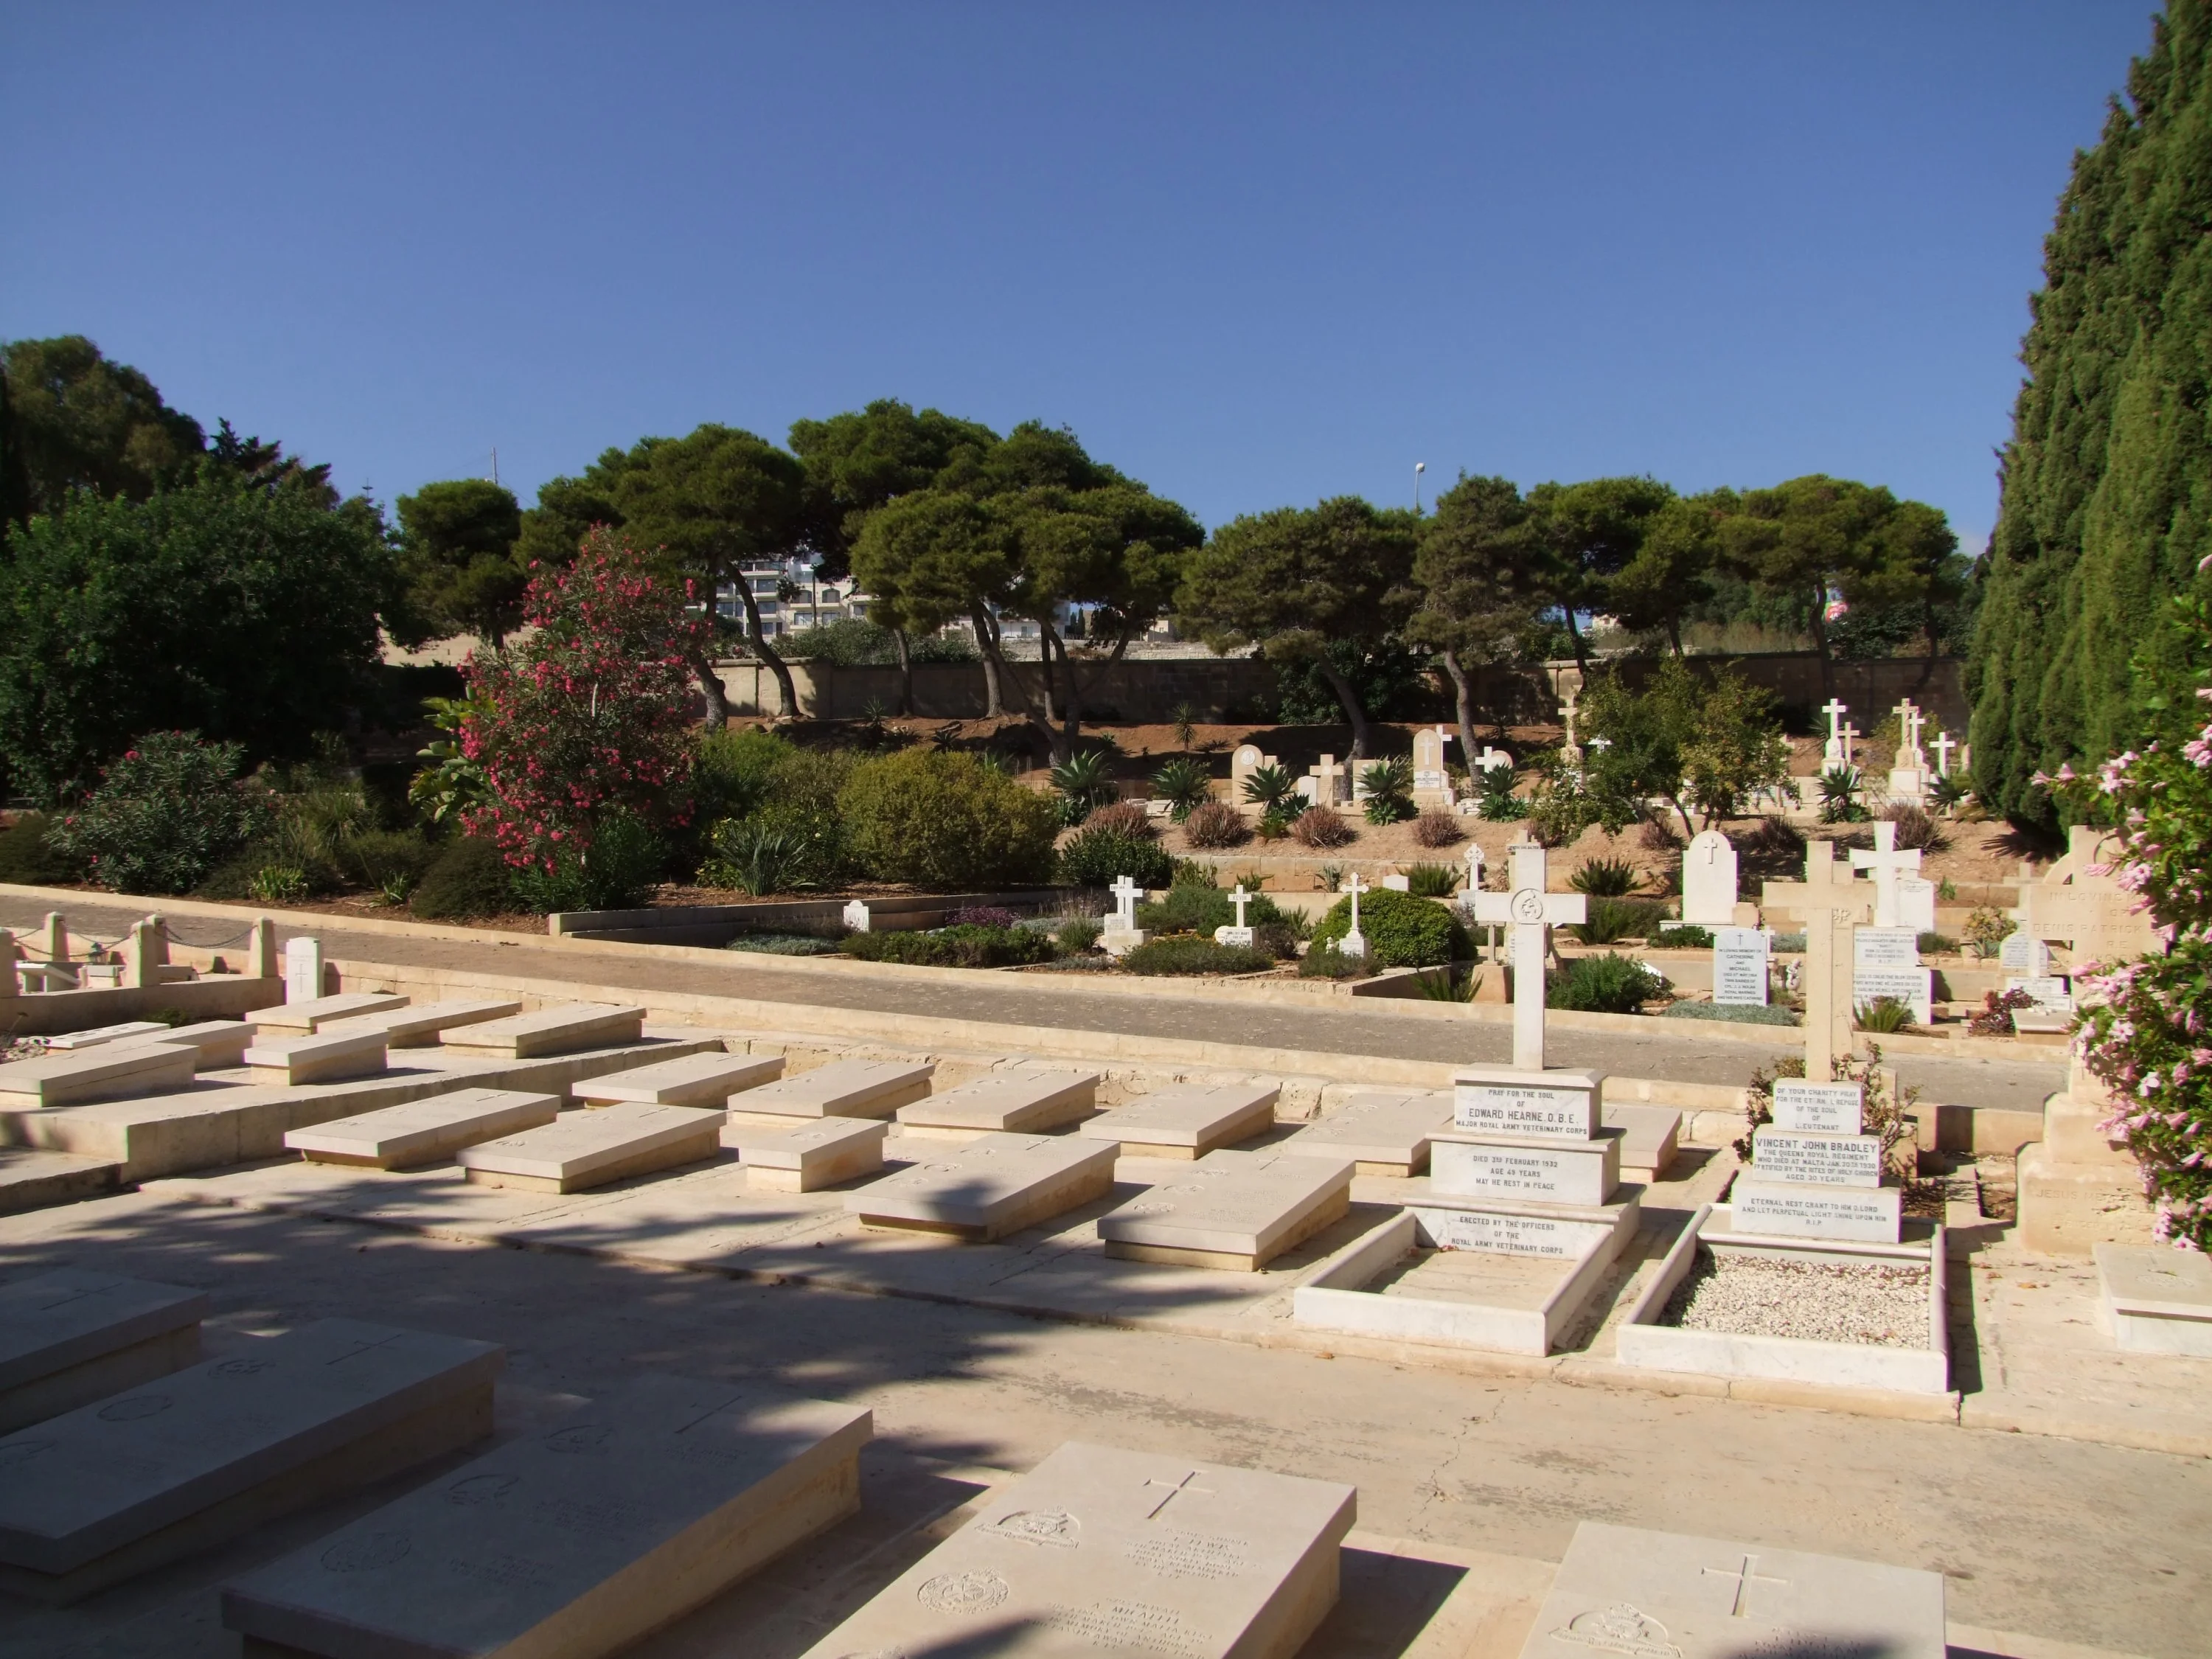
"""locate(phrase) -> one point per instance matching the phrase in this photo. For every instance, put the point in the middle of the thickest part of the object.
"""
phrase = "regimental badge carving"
(1620, 1628)
(130, 1410)
(1528, 905)
(481, 1489)
(1056, 1528)
(22, 1451)
(962, 1592)
(378, 1549)
(240, 1367)
(1148, 1209)
(582, 1437)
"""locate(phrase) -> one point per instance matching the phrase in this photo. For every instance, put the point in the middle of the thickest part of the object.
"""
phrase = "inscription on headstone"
(1833, 1160)
(1869, 1214)
(1523, 1112)
(1739, 963)
(1913, 986)
(1817, 1108)
(1885, 947)
(1504, 1235)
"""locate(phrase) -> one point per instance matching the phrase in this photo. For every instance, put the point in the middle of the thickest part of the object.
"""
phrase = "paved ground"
(2062, 1539)
(1679, 1056)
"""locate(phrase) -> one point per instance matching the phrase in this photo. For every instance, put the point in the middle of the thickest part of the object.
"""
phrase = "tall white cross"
(1126, 893)
(1474, 866)
(1835, 709)
(1849, 734)
(1944, 743)
(1240, 898)
(1887, 864)
(1529, 910)
(1354, 943)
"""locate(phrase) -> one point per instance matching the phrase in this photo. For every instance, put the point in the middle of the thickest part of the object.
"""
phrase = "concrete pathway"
(1677, 1054)
(2070, 1541)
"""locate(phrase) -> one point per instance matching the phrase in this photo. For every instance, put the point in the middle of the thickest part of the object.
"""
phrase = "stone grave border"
(1646, 1343)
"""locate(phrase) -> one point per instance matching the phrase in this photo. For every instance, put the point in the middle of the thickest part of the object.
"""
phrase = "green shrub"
(1610, 984)
(1785, 944)
(1326, 962)
(1688, 936)
(1401, 931)
(1937, 944)
(855, 643)
(1612, 920)
(943, 820)
(1187, 909)
(392, 861)
(1271, 788)
(1320, 826)
(1839, 801)
(783, 848)
(470, 878)
(1497, 802)
(277, 883)
(1730, 1013)
(1434, 881)
(953, 947)
(1094, 858)
(1214, 823)
(1084, 782)
(28, 860)
(1186, 955)
(1389, 785)
(1078, 934)
(733, 770)
(1607, 878)
(164, 816)
(618, 871)
(1987, 929)
(784, 945)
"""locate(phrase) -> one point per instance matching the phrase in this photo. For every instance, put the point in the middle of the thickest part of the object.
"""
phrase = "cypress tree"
(2106, 504)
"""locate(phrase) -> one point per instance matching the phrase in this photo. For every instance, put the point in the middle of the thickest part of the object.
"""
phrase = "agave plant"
(1270, 788)
(1389, 785)
(1839, 796)
(1607, 878)
(1084, 782)
(1184, 784)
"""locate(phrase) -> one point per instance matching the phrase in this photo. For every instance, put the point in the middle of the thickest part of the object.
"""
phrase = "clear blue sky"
(1252, 254)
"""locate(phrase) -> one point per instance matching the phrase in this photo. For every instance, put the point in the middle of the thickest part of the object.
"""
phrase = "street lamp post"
(1419, 467)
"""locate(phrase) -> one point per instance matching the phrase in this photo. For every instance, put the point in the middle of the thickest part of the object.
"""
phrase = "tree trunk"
(758, 641)
(1463, 701)
(1675, 634)
(906, 671)
(710, 688)
(987, 641)
(1352, 711)
(1071, 701)
(1574, 633)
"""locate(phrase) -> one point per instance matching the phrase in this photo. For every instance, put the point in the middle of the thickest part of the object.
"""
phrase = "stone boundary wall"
(1228, 690)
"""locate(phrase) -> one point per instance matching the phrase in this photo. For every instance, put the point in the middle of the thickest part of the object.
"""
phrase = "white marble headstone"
(303, 970)
(1708, 878)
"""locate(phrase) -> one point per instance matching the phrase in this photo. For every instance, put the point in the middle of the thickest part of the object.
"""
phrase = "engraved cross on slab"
(1529, 910)
(1745, 1576)
(1176, 1489)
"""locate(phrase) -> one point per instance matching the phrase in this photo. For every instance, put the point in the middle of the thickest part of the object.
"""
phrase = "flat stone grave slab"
(1023, 1101)
(1235, 1210)
(819, 1155)
(2156, 1300)
(1561, 1173)
(71, 1041)
(111, 1490)
(1098, 1551)
(1386, 1131)
(109, 1072)
(423, 1132)
(319, 1012)
(219, 1044)
(1509, 1278)
(573, 1542)
(73, 1335)
(1624, 1591)
(990, 1187)
(330, 1056)
(424, 1024)
(1187, 1120)
(706, 1079)
(561, 1029)
(582, 1150)
(843, 1088)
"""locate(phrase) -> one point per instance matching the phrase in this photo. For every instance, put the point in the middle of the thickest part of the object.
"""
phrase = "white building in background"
(815, 602)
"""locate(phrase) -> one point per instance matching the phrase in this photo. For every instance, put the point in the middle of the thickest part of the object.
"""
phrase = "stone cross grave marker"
(1240, 933)
(1125, 894)
(1354, 943)
(1332, 782)
(1850, 735)
(1568, 705)
(1740, 959)
(1888, 863)
(1529, 910)
(1944, 743)
(1474, 866)
(1709, 878)
(303, 970)
(1831, 911)
(1833, 753)
(1909, 720)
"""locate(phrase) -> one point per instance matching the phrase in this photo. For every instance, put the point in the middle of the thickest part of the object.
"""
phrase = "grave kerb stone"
(219, 1044)
(422, 1024)
(988, 1188)
(707, 1079)
(73, 1336)
(1386, 1132)
(325, 1056)
(424, 1132)
(1020, 1102)
(113, 1489)
(824, 1154)
(1186, 1120)
(579, 1150)
(842, 1088)
(1626, 1591)
(559, 1030)
(1096, 1549)
(575, 1539)
(134, 1030)
(1233, 1211)
(313, 1013)
(112, 1072)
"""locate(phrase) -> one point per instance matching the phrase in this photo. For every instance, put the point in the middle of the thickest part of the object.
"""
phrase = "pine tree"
(2106, 500)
